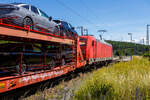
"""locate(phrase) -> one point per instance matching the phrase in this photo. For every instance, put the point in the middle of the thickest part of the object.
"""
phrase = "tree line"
(128, 48)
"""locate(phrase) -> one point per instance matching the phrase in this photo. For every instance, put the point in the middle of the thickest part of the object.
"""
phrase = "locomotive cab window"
(93, 43)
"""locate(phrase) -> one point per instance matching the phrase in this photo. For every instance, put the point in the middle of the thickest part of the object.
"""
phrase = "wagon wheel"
(23, 68)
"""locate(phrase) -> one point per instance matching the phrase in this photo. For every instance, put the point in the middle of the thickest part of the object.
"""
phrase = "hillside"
(127, 48)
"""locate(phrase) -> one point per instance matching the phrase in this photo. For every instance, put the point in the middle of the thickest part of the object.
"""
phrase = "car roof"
(17, 3)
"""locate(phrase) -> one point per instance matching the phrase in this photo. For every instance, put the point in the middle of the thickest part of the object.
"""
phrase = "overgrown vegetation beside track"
(122, 81)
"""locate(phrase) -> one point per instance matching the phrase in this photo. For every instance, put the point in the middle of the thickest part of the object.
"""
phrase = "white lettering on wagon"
(34, 77)
(50, 74)
(26, 79)
(43, 75)
(59, 72)
(38, 76)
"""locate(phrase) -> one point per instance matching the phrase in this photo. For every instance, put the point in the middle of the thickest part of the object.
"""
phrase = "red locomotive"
(95, 50)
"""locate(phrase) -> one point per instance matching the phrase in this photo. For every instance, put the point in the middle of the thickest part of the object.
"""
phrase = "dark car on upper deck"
(24, 14)
(66, 29)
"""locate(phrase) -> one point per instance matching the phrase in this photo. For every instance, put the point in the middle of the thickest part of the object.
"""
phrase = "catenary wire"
(73, 11)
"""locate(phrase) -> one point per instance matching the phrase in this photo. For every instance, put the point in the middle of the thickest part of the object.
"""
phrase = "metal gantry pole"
(101, 31)
(131, 47)
(86, 30)
(147, 34)
(82, 29)
(143, 41)
(130, 36)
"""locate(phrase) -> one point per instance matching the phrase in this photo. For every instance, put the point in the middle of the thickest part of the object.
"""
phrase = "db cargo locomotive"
(95, 50)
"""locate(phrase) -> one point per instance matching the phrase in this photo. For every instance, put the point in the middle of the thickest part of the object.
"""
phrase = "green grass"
(122, 81)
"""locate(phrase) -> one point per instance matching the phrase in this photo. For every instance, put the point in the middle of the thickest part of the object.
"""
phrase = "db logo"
(12, 84)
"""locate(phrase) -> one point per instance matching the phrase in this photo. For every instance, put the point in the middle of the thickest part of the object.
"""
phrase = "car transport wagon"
(31, 54)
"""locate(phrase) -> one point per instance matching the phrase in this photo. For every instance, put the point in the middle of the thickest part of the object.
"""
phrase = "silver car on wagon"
(28, 15)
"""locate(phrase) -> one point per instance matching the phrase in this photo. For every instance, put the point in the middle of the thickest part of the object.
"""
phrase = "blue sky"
(118, 17)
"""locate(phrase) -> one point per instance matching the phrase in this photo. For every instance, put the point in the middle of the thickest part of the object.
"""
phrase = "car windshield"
(70, 26)
(44, 14)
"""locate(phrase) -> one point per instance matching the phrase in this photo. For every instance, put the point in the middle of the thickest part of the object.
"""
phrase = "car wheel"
(51, 64)
(28, 21)
(23, 68)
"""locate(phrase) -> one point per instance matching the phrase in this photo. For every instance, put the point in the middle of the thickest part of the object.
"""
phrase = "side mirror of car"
(50, 18)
